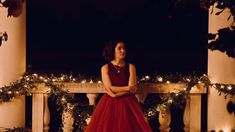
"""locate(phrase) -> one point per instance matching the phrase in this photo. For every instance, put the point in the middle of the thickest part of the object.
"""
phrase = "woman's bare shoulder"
(104, 67)
(131, 66)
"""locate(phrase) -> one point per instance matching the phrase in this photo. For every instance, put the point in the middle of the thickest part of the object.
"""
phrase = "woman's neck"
(118, 62)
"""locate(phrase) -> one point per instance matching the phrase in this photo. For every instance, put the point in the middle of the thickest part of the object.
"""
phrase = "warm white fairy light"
(41, 77)
(35, 74)
(193, 87)
(170, 101)
(229, 87)
(45, 80)
(62, 78)
(70, 106)
(147, 77)
(214, 85)
(25, 86)
(9, 92)
(99, 81)
(53, 80)
(48, 90)
(83, 81)
(159, 79)
(91, 81)
(168, 82)
(222, 86)
(63, 99)
(199, 82)
(74, 79)
(188, 79)
(142, 79)
(17, 92)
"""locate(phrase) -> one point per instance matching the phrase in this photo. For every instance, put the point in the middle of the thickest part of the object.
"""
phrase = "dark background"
(161, 36)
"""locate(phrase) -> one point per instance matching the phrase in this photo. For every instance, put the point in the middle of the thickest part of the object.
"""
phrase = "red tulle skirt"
(122, 114)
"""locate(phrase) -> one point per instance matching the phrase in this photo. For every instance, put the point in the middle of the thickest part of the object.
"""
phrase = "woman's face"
(120, 51)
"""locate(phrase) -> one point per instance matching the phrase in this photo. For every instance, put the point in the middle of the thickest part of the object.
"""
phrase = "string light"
(29, 83)
(229, 87)
(83, 81)
(159, 79)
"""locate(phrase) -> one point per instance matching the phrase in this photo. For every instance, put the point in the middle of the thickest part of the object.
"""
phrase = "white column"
(12, 65)
(37, 112)
(221, 69)
(46, 114)
(195, 113)
(92, 98)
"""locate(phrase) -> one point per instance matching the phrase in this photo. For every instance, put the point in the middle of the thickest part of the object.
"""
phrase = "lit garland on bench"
(66, 102)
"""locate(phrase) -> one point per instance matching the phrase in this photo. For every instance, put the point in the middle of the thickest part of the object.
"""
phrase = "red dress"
(121, 114)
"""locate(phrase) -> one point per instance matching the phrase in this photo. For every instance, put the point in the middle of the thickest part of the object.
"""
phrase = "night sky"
(161, 36)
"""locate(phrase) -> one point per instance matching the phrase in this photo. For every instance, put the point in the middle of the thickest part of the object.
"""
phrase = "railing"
(192, 112)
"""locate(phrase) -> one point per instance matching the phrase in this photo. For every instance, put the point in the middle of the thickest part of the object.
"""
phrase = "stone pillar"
(12, 65)
(221, 69)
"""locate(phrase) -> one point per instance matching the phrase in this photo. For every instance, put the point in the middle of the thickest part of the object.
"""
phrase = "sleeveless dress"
(121, 114)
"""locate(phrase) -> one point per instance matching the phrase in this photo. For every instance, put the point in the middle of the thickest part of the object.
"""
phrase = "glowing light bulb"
(83, 81)
(222, 86)
(159, 79)
(229, 87)
(147, 77)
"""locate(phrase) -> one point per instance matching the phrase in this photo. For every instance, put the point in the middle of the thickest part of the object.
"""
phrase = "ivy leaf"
(1, 41)
(15, 7)
(211, 36)
(217, 13)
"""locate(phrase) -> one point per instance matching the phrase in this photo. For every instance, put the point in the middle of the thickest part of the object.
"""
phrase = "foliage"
(224, 40)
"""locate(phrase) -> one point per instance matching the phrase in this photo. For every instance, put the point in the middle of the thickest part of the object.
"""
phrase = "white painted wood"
(37, 111)
(93, 89)
(92, 98)
(67, 122)
(46, 115)
(141, 97)
(164, 118)
(12, 65)
(186, 115)
(220, 70)
(195, 113)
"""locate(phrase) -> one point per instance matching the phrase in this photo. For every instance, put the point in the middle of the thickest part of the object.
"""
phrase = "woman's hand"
(110, 93)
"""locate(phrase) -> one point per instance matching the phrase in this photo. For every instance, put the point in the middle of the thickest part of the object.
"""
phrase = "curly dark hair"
(109, 50)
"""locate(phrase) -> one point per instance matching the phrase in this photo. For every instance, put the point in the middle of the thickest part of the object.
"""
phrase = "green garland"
(80, 111)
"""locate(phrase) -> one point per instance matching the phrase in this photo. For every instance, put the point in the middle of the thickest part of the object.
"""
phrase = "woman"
(118, 110)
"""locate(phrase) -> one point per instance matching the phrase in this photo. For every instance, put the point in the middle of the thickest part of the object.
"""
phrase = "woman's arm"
(117, 91)
(120, 88)
(132, 82)
(107, 82)
(132, 79)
